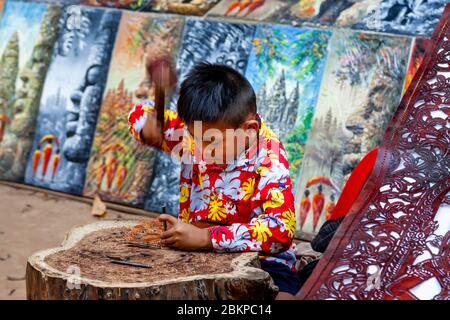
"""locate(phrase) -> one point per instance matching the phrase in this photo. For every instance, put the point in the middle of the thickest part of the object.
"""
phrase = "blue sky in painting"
(25, 18)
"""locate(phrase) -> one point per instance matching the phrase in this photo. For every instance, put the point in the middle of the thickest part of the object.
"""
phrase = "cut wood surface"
(88, 265)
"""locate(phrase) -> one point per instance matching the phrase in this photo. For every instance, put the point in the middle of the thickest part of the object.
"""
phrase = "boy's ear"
(251, 125)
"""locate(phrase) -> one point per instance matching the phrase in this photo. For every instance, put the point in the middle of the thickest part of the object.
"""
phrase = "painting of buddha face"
(69, 106)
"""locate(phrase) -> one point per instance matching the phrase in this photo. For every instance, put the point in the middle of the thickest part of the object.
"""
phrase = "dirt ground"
(31, 221)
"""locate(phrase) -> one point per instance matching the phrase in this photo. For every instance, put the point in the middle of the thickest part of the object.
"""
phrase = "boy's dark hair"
(216, 92)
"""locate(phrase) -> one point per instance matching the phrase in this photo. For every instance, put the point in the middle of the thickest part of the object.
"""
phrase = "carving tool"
(130, 263)
(163, 210)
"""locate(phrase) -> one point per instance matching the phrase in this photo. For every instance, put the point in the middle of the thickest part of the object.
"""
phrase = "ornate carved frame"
(390, 242)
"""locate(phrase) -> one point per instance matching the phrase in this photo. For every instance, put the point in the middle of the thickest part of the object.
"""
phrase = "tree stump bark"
(81, 268)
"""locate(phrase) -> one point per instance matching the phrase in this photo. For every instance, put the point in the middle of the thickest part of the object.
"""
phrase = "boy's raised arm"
(145, 128)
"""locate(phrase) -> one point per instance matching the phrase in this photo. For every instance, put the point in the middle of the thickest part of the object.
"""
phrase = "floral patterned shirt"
(250, 200)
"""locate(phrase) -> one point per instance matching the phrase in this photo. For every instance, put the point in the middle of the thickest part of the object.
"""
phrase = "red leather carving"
(390, 245)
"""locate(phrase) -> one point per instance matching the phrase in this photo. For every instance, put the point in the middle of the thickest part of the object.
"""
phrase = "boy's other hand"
(184, 236)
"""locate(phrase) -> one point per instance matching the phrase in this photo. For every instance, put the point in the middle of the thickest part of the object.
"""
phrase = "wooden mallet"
(163, 76)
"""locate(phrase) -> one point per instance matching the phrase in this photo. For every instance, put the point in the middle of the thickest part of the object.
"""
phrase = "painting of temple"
(28, 32)
(70, 105)
(285, 69)
(120, 169)
(361, 87)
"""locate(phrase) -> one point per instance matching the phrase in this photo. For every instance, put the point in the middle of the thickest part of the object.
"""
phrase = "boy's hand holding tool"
(184, 236)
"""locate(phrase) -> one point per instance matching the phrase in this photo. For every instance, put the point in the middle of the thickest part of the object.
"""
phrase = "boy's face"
(220, 143)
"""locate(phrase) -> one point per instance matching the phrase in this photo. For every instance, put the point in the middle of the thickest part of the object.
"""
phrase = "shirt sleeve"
(273, 229)
(173, 126)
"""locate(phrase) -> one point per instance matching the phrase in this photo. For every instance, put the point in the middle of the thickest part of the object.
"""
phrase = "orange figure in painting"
(232, 7)
(122, 174)
(46, 154)
(329, 208)
(49, 141)
(241, 6)
(255, 4)
(36, 159)
(244, 4)
(317, 206)
(55, 163)
(111, 169)
(305, 206)
(101, 173)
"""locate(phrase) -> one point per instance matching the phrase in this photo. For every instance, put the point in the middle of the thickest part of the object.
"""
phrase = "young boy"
(234, 174)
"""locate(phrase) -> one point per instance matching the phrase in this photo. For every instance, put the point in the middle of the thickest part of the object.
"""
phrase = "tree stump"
(88, 266)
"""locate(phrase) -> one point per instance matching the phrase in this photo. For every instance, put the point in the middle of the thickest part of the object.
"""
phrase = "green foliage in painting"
(310, 48)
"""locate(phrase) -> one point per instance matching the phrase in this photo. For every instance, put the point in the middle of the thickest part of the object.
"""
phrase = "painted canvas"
(217, 42)
(186, 7)
(70, 105)
(285, 69)
(419, 48)
(28, 32)
(361, 87)
(138, 5)
(262, 10)
(326, 12)
(120, 169)
(203, 40)
(60, 2)
(404, 17)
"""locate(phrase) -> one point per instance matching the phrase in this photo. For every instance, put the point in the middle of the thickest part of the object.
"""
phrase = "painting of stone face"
(186, 7)
(70, 105)
(138, 5)
(202, 40)
(419, 48)
(217, 42)
(361, 88)
(120, 169)
(326, 12)
(28, 32)
(413, 17)
(285, 69)
(262, 10)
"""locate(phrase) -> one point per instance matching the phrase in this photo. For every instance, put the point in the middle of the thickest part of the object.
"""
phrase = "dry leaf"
(98, 207)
